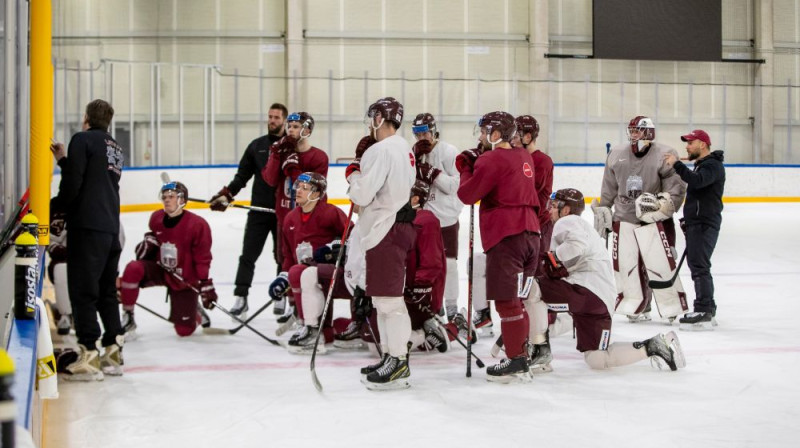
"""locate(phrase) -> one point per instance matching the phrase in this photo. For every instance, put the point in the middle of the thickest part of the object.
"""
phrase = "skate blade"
(514, 378)
(638, 318)
(112, 370)
(353, 344)
(398, 384)
(286, 326)
(82, 377)
(700, 326)
(675, 344)
(540, 368)
(306, 350)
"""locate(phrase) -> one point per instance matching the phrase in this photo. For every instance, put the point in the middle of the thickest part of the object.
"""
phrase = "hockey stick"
(469, 287)
(12, 223)
(478, 361)
(664, 284)
(266, 305)
(374, 339)
(206, 330)
(151, 311)
(246, 207)
(328, 299)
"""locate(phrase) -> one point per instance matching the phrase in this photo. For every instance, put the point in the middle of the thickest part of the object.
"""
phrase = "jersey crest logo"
(527, 170)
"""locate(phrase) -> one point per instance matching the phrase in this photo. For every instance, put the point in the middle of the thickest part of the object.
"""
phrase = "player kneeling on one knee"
(579, 280)
(175, 253)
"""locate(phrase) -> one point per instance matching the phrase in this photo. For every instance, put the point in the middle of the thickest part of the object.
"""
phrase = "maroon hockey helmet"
(304, 118)
(644, 125)
(499, 121)
(421, 189)
(316, 180)
(527, 124)
(425, 123)
(178, 187)
(568, 196)
(391, 110)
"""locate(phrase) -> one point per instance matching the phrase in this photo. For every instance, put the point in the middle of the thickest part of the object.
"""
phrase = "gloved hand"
(208, 294)
(422, 147)
(466, 160)
(420, 294)
(602, 219)
(363, 145)
(285, 145)
(58, 223)
(654, 207)
(362, 305)
(291, 166)
(553, 266)
(427, 173)
(328, 253)
(279, 286)
(354, 166)
(682, 223)
(220, 201)
(147, 249)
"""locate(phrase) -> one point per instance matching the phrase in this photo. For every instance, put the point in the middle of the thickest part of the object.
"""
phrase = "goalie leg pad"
(633, 296)
(660, 264)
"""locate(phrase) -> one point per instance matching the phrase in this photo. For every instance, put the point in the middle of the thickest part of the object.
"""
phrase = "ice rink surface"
(739, 388)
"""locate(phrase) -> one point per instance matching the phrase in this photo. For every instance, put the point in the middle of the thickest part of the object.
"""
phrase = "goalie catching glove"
(654, 207)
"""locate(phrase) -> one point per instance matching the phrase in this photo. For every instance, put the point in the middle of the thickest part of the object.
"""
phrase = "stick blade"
(216, 331)
(165, 178)
(659, 284)
(315, 380)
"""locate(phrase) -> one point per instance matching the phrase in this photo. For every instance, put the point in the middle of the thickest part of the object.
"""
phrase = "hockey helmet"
(179, 188)
(391, 110)
(644, 126)
(304, 118)
(500, 121)
(527, 124)
(568, 196)
(316, 180)
(425, 123)
(422, 190)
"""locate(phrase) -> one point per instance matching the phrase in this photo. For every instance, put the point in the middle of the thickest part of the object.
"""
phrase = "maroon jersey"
(185, 247)
(426, 263)
(314, 160)
(324, 224)
(504, 181)
(543, 171)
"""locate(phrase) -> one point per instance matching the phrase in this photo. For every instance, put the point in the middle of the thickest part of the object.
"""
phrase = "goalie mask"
(641, 131)
(568, 196)
(306, 121)
(500, 121)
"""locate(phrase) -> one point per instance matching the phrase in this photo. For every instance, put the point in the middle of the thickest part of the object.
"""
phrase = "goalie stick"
(664, 284)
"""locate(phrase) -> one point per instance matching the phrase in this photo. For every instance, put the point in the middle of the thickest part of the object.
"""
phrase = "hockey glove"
(363, 145)
(553, 266)
(362, 305)
(291, 166)
(304, 253)
(147, 249)
(328, 253)
(421, 148)
(285, 145)
(466, 160)
(354, 166)
(220, 201)
(208, 294)
(279, 286)
(602, 219)
(421, 294)
(57, 224)
(427, 173)
(651, 207)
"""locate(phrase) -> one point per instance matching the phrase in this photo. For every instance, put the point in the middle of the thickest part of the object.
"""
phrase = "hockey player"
(313, 224)
(289, 157)
(645, 192)
(578, 280)
(503, 179)
(178, 241)
(259, 224)
(436, 165)
(379, 184)
(57, 269)
(703, 217)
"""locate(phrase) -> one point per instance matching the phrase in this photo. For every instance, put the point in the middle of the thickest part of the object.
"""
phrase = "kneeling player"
(179, 241)
(578, 280)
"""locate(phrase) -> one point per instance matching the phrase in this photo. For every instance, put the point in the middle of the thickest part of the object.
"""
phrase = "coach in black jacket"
(702, 213)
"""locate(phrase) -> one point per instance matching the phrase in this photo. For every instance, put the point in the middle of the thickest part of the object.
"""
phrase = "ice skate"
(373, 367)
(541, 357)
(435, 336)
(240, 308)
(279, 308)
(302, 342)
(392, 375)
(86, 367)
(350, 338)
(111, 362)
(64, 324)
(508, 371)
(639, 318)
(698, 321)
(664, 348)
(128, 325)
(482, 321)
(461, 323)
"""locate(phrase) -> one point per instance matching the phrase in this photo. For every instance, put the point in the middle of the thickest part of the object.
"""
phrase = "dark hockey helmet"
(421, 189)
(498, 121)
(525, 124)
(425, 123)
(316, 180)
(568, 196)
(304, 118)
(644, 125)
(178, 187)
(390, 109)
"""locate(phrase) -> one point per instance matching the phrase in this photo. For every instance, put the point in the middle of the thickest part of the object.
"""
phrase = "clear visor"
(476, 131)
(303, 182)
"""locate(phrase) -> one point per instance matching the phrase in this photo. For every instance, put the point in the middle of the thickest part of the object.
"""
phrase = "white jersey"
(382, 187)
(355, 266)
(443, 200)
(584, 253)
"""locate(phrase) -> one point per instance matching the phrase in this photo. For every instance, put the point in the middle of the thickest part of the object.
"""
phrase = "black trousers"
(700, 242)
(92, 259)
(259, 226)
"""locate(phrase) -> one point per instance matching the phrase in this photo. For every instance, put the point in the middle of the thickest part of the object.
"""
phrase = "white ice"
(739, 388)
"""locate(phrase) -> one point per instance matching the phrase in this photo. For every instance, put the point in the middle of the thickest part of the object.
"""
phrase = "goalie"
(645, 192)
